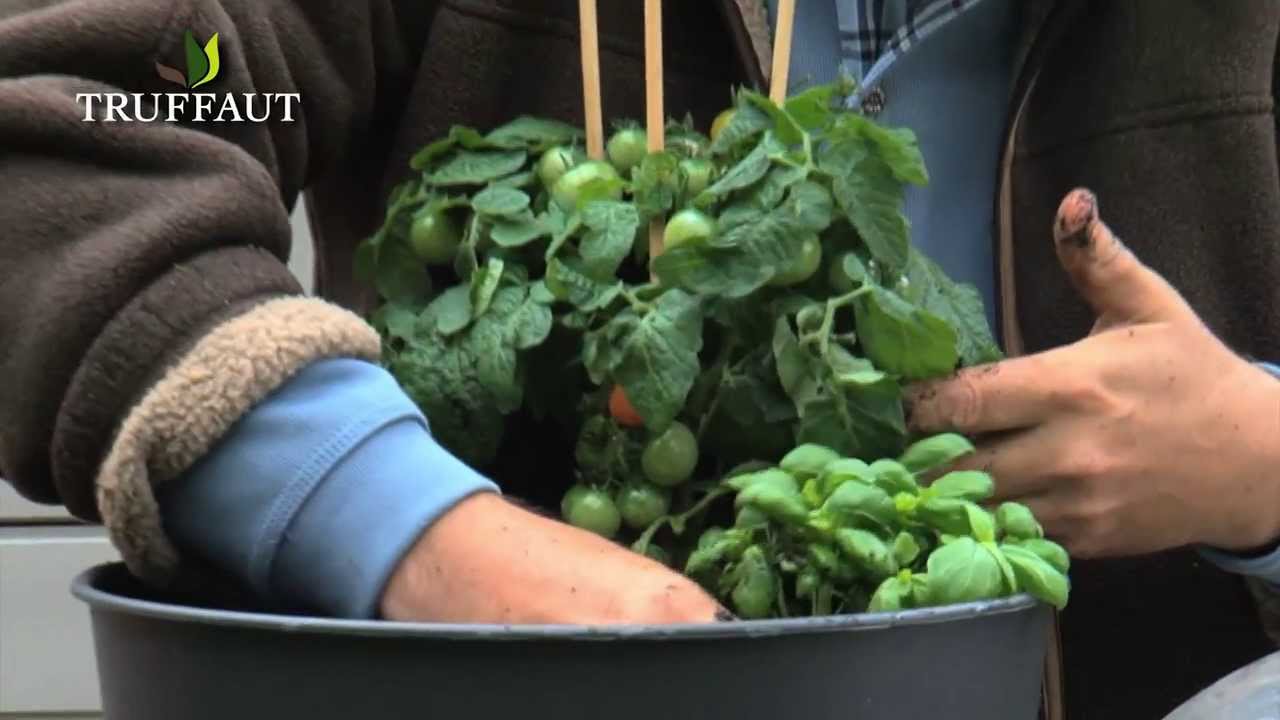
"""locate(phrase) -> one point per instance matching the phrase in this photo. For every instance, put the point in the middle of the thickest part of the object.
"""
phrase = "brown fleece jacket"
(142, 262)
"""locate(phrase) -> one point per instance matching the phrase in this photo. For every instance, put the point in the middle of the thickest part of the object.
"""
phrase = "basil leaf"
(1016, 521)
(963, 571)
(972, 485)
(808, 461)
(1037, 577)
(934, 452)
(866, 549)
(1049, 551)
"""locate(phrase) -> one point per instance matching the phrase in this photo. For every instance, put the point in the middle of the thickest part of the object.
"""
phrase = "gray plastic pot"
(158, 661)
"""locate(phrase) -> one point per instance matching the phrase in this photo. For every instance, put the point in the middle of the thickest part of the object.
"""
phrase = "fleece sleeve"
(315, 495)
(145, 303)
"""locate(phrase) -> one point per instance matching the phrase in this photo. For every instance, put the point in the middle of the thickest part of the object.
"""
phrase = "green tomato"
(627, 148)
(434, 236)
(670, 458)
(591, 509)
(697, 174)
(721, 122)
(568, 189)
(803, 266)
(839, 280)
(554, 164)
(689, 226)
(641, 504)
(556, 286)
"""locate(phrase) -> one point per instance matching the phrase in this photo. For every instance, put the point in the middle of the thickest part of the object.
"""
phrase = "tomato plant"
(733, 406)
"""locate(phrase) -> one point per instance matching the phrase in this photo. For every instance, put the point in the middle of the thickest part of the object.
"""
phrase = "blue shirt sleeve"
(1264, 567)
(316, 494)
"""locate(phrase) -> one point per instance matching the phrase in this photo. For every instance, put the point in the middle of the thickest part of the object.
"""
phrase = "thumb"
(1112, 280)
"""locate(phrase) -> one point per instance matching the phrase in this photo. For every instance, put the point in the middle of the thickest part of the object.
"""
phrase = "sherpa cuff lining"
(183, 415)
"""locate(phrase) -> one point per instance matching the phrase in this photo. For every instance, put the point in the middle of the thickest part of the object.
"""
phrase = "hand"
(488, 561)
(1147, 434)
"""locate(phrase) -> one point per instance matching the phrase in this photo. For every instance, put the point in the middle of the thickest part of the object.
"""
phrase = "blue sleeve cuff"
(1264, 567)
(315, 495)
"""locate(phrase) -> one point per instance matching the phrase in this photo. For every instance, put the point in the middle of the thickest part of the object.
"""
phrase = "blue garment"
(316, 494)
(1264, 567)
(949, 81)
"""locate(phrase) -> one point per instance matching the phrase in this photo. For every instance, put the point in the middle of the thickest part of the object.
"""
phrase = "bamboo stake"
(655, 115)
(782, 51)
(591, 78)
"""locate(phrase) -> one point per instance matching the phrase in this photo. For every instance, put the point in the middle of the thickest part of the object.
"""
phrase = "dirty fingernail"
(1078, 211)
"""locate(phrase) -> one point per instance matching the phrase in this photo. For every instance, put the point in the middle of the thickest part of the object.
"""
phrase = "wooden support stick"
(655, 115)
(782, 51)
(591, 78)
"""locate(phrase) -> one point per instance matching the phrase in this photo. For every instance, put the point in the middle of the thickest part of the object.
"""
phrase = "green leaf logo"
(203, 63)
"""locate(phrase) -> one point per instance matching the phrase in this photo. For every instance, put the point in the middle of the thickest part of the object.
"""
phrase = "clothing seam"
(310, 476)
(1163, 117)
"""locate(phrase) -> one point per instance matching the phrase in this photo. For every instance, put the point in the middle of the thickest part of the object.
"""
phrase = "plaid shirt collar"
(874, 32)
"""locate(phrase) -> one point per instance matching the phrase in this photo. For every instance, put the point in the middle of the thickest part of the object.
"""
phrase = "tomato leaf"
(450, 313)
(484, 283)
(769, 192)
(904, 339)
(611, 231)
(810, 206)
(745, 173)
(785, 127)
(537, 134)
(514, 232)
(858, 422)
(584, 291)
(871, 198)
(400, 276)
(499, 201)
(477, 168)
(711, 271)
(654, 355)
(812, 108)
(958, 304)
(748, 122)
(655, 184)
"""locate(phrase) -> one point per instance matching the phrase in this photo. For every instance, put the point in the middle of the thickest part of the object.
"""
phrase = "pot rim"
(84, 587)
